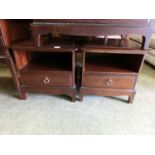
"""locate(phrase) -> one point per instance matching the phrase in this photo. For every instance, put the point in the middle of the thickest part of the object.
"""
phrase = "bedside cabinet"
(48, 69)
(111, 70)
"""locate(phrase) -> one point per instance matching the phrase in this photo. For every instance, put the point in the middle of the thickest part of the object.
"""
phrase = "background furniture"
(12, 31)
(150, 56)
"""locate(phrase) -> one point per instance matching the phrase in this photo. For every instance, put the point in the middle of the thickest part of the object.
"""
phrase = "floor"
(47, 114)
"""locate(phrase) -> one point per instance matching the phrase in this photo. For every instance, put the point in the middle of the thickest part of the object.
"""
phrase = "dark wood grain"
(92, 27)
(45, 62)
(49, 71)
(10, 32)
(110, 71)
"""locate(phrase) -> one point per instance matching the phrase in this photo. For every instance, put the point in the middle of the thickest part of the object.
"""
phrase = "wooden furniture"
(106, 71)
(48, 69)
(92, 27)
(12, 31)
(111, 69)
(46, 63)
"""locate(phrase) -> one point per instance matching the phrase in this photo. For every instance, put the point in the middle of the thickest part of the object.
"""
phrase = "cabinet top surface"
(113, 46)
(118, 22)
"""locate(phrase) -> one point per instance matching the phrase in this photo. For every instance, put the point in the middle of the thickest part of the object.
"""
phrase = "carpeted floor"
(47, 114)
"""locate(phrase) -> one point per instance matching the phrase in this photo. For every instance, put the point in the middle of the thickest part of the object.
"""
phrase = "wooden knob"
(46, 80)
(109, 82)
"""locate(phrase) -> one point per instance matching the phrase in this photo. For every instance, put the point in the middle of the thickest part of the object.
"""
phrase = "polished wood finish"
(12, 31)
(45, 62)
(107, 92)
(110, 71)
(47, 79)
(71, 92)
(126, 22)
(109, 81)
(90, 27)
(46, 69)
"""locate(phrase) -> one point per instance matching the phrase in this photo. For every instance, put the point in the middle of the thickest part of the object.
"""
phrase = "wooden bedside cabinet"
(48, 69)
(110, 70)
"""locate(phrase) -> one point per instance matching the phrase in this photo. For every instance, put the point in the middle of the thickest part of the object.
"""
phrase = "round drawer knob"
(109, 82)
(46, 80)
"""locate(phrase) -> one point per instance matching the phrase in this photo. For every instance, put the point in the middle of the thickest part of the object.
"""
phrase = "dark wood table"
(93, 27)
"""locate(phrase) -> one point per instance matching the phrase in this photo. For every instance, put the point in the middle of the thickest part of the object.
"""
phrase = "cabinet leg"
(131, 98)
(73, 98)
(73, 95)
(80, 97)
(22, 95)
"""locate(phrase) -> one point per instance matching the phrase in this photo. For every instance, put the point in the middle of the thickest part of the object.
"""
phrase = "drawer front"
(109, 81)
(47, 79)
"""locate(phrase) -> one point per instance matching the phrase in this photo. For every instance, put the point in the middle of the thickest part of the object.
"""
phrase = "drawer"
(47, 79)
(109, 81)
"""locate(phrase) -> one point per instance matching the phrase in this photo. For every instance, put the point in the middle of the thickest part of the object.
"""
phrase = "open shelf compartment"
(113, 63)
(43, 61)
